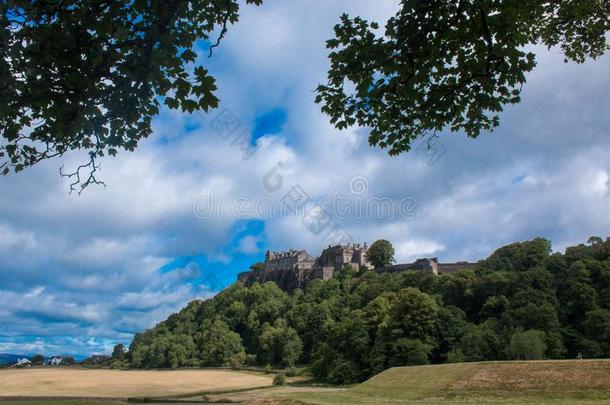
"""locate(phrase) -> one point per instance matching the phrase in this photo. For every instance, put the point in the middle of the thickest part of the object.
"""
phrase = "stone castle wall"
(295, 269)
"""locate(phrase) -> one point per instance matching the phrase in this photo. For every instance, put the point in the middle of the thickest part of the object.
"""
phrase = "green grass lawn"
(556, 382)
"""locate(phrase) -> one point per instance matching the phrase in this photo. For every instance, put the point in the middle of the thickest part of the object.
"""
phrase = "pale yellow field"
(75, 382)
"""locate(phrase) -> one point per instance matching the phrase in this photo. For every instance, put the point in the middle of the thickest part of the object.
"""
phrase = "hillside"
(521, 303)
(540, 382)
(567, 379)
(7, 358)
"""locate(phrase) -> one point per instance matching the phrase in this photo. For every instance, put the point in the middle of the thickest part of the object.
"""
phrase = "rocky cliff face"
(287, 280)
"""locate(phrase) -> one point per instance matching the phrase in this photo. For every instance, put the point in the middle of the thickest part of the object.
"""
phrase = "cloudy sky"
(201, 199)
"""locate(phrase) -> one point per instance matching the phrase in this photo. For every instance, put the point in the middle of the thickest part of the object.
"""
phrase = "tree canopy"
(380, 253)
(85, 74)
(38, 360)
(453, 65)
(119, 351)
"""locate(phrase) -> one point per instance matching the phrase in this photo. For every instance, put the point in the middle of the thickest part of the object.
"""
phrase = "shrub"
(292, 372)
(279, 379)
(528, 345)
(192, 363)
(344, 372)
(479, 343)
(409, 352)
(250, 359)
(238, 360)
(455, 356)
(38, 360)
(116, 364)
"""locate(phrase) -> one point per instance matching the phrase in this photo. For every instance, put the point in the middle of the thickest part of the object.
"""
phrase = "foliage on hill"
(520, 303)
(448, 65)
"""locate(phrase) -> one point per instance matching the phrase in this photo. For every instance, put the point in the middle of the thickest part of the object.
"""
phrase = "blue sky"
(81, 273)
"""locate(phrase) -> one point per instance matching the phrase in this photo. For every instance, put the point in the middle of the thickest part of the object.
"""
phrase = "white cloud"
(10, 238)
(410, 250)
(249, 244)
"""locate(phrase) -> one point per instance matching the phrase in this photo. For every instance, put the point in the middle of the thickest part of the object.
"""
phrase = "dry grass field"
(566, 382)
(75, 382)
(532, 382)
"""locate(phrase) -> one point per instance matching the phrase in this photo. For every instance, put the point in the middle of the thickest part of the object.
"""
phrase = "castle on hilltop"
(293, 269)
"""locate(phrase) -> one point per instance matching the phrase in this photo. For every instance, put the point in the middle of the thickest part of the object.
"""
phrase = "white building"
(56, 361)
(23, 363)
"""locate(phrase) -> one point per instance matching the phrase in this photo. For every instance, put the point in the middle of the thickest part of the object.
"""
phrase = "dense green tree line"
(523, 302)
